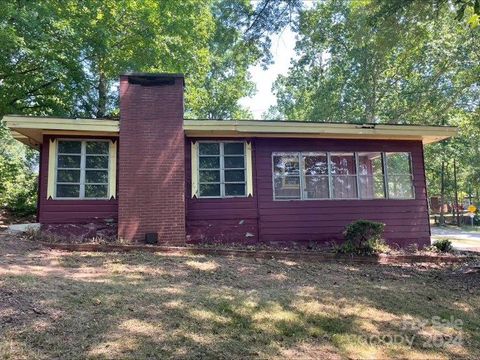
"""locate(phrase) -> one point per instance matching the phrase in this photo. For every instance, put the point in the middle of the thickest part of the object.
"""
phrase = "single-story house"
(242, 181)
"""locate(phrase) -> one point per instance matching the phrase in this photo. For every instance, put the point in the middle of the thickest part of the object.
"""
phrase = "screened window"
(342, 175)
(82, 169)
(399, 175)
(221, 169)
(371, 175)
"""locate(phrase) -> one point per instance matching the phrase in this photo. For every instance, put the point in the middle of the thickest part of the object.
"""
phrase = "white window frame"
(300, 155)
(83, 158)
(222, 169)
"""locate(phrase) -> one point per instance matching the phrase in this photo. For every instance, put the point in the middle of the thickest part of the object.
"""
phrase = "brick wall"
(151, 188)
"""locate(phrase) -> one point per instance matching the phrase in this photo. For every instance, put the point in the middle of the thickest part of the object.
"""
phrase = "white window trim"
(300, 154)
(83, 157)
(222, 169)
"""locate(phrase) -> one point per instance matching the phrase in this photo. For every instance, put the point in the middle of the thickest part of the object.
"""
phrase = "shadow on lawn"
(142, 305)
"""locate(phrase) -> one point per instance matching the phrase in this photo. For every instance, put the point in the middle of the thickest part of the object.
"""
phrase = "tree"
(408, 67)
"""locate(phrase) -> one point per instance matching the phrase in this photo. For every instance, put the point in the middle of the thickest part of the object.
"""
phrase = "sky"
(283, 51)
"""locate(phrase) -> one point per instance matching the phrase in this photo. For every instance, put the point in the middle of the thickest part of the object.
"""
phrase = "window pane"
(371, 180)
(316, 187)
(234, 175)
(371, 187)
(209, 148)
(287, 187)
(286, 165)
(398, 163)
(209, 189)
(315, 164)
(97, 147)
(96, 162)
(233, 148)
(96, 191)
(234, 189)
(400, 184)
(234, 162)
(209, 175)
(69, 161)
(66, 191)
(70, 176)
(400, 187)
(96, 176)
(209, 162)
(344, 187)
(342, 164)
(70, 147)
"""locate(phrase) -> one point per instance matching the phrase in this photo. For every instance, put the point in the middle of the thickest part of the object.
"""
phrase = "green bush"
(443, 245)
(20, 197)
(363, 237)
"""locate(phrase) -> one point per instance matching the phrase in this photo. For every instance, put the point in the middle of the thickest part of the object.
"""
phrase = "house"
(226, 180)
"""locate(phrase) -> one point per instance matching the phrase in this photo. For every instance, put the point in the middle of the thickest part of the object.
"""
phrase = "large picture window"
(221, 167)
(82, 169)
(342, 175)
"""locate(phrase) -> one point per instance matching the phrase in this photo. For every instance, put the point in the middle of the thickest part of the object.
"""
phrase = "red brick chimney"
(151, 171)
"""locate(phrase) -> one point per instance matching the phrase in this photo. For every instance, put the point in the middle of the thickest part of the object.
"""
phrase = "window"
(315, 170)
(286, 176)
(399, 175)
(371, 175)
(221, 169)
(342, 175)
(82, 169)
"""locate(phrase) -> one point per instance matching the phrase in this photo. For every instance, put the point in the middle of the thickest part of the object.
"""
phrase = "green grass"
(142, 306)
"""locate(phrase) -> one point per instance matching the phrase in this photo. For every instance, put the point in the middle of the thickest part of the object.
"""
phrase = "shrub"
(363, 237)
(443, 245)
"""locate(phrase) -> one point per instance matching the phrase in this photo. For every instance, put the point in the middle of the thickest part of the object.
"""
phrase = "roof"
(302, 129)
(30, 129)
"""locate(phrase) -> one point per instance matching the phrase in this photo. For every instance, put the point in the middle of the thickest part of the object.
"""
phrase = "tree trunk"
(442, 194)
(102, 95)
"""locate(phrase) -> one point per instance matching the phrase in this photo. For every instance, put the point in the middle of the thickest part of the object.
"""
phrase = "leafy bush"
(443, 245)
(363, 237)
(18, 178)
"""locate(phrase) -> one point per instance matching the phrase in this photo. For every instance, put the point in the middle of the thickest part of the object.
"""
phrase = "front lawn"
(139, 305)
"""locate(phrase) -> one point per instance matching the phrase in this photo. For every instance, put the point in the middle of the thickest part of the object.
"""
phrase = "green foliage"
(363, 237)
(390, 62)
(63, 58)
(18, 180)
(443, 245)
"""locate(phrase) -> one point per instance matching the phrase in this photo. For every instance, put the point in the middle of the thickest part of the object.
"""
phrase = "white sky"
(283, 51)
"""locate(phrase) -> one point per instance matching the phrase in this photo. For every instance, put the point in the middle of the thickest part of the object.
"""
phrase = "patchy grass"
(138, 305)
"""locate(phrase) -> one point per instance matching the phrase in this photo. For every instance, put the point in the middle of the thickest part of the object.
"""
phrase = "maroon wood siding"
(307, 221)
(69, 211)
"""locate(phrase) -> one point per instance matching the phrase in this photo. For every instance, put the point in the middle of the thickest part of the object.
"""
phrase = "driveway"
(461, 239)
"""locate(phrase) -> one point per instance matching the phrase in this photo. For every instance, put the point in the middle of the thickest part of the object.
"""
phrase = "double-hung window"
(221, 169)
(82, 169)
(342, 175)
